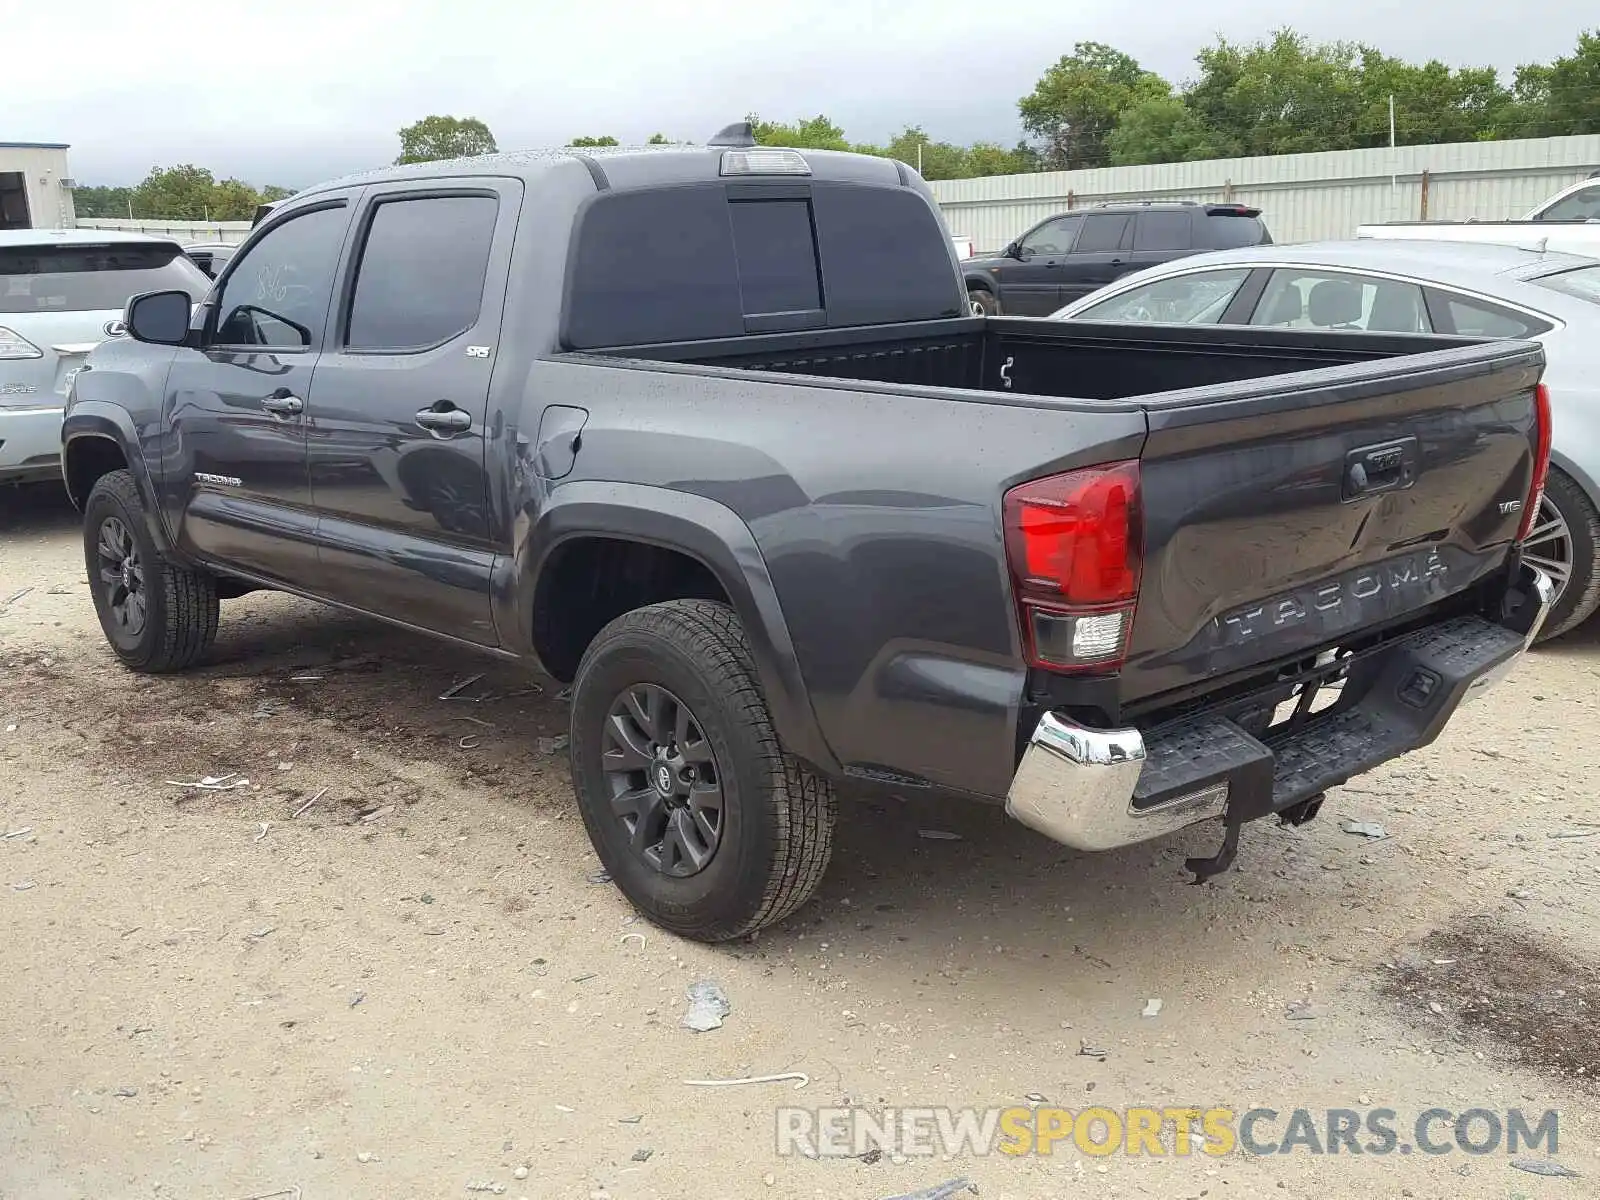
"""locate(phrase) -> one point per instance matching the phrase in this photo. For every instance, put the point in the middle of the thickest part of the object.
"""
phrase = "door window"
(1297, 299)
(276, 295)
(1198, 299)
(420, 281)
(1102, 234)
(1053, 237)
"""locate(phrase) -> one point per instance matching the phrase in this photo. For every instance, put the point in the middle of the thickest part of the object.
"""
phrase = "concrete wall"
(186, 232)
(43, 168)
(1302, 197)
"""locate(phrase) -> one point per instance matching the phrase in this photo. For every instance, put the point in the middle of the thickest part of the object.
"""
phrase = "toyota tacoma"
(712, 433)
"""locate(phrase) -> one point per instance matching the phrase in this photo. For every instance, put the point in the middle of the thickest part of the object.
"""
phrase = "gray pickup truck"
(710, 432)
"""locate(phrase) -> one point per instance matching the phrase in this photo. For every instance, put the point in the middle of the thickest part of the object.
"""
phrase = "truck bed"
(1076, 360)
(1258, 550)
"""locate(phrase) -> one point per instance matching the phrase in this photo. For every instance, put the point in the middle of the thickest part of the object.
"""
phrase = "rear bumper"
(30, 443)
(1097, 789)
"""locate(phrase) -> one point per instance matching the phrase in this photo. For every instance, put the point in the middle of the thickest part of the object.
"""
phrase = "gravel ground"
(383, 968)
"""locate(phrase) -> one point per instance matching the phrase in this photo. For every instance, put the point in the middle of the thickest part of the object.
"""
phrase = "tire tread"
(804, 805)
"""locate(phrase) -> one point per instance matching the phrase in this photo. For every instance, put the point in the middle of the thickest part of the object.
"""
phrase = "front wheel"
(1563, 543)
(157, 615)
(984, 303)
(706, 825)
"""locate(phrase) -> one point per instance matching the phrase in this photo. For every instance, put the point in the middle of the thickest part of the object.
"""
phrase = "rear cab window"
(93, 277)
(702, 261)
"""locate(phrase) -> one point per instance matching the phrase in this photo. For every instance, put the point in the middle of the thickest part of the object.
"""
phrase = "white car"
(1568, 222)
(62, 292)
(1422, 287)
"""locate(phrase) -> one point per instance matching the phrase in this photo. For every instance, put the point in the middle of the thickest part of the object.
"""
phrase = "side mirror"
(1014, 250)
(160, 318)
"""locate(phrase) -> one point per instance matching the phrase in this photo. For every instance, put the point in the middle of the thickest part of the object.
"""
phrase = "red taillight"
(1541, 460)
(1073, 545)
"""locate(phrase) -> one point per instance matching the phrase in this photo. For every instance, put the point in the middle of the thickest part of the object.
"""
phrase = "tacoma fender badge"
(218, 480)
(478, 351)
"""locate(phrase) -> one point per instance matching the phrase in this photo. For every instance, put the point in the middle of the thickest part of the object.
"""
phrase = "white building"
(35, 186)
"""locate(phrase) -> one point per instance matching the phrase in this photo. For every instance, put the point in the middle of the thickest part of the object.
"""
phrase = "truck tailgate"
(1283, 517)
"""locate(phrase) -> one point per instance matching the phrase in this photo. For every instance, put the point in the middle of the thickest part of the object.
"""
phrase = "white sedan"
(1422, 287)
(62, 292)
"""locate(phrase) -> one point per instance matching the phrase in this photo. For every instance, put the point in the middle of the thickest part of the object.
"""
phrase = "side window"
(1198, 299)
(1478, 318)
(420, 279)
(277, 293)
(1163, 231)
(1053, 237)
(1336, 300)
(1582, 205)
(1104, 233)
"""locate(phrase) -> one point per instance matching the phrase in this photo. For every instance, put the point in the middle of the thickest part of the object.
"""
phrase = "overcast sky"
(293, 91)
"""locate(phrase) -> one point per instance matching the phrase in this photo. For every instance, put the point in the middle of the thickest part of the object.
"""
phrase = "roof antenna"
(740, 133)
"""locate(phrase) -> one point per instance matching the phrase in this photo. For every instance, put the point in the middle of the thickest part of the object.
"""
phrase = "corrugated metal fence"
(1302, 197)
(187, 232)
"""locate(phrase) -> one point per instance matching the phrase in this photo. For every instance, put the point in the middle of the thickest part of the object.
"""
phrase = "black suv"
(1071, 255)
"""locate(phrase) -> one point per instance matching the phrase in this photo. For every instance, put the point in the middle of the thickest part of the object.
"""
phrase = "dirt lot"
(412, 986)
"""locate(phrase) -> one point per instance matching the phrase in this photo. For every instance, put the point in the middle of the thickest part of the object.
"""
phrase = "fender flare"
(979, 278)
(108, 422)
(704, 530)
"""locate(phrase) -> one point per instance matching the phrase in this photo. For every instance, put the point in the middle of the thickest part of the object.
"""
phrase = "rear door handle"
(283, 403)
(447, 420)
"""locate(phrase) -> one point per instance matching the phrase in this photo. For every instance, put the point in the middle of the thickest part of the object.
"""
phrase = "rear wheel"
(157, 615)
(1563, 543)
(706, 825)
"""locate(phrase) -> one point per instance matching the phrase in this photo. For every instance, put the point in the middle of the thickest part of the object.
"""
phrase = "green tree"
(814, 133)
(991, 158)
(1161, 129)
(936, 160)
(1562, 97)
(436, 137)
(1280, 96)
(182, 193)
(102, 201)
(1077, 102)
(607, 140)
(272, 193)
(1433, 102)
(659, 139)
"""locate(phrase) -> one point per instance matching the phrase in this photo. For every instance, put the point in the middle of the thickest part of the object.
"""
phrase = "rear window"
(722, 260)
(63, 278)
(776, 249)
(1584, 283)
(1228, 232)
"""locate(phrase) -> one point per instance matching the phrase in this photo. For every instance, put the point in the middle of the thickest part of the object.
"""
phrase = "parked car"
(1071, 255)
(1085, 587)
(1476, 289)
(210, 257)
(1569, 221)
(62, 291)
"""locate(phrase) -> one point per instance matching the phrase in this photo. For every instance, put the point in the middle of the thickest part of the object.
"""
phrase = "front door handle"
(283, 403)
(446, 420)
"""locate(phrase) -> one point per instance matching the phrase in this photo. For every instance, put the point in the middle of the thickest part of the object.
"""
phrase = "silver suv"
(62, 292)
